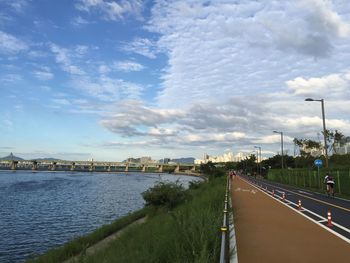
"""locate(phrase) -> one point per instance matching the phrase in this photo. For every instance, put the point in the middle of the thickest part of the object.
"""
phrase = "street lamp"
(324, 128)
(258, 147)
(281, 147)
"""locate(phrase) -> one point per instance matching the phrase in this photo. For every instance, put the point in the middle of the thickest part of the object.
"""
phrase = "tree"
(165, 194)
(248, 164)
(334, 138)
(211, 170)
(306, 146)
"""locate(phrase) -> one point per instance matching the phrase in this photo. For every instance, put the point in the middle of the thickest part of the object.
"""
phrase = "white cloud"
(128, 66)
(45, 88)
(325, 19)
(10, 44)
(64, 102)
(16, 5)
(6, 124)
(80, 50)
(63, 57)
(222, 47)
(44, 73)
(142, 46)
(112, 10)
(107, 89)
(79, 22)
(104, 69)
(330, 86)
(11, 77)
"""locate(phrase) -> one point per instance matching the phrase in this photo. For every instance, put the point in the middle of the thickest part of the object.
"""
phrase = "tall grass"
(189, 233)
(80, 244)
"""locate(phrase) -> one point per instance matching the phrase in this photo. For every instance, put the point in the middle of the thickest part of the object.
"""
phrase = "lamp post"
(281, 133)
(258, 147)
(324, 128)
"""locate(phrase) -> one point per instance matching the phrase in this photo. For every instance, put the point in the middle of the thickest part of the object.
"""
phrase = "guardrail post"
(339, 191)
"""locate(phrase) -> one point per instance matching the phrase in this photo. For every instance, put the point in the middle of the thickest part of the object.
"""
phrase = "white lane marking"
(309, 218)
(312, 198)
(233, 241)
(306, 193)
(311, 212)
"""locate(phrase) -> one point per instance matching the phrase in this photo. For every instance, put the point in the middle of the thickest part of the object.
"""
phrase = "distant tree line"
(305, 159)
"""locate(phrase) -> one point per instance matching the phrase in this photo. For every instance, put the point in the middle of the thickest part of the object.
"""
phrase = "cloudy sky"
(112, 79)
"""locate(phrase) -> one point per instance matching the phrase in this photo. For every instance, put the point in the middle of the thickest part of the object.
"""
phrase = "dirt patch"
(267, 231)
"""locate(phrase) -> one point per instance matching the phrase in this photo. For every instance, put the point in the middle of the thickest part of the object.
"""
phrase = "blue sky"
(117, 79)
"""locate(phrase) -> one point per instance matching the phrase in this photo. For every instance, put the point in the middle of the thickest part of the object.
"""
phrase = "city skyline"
(118, 79)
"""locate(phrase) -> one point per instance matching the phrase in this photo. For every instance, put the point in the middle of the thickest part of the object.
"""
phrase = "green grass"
(80, 244)
(189, 233)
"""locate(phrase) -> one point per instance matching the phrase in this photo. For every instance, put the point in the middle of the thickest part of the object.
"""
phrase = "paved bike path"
(268, 231)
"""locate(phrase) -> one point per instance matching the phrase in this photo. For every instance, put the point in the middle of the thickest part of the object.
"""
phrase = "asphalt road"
(317, 203)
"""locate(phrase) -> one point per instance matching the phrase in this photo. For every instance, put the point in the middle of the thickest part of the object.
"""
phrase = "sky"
(113, 79)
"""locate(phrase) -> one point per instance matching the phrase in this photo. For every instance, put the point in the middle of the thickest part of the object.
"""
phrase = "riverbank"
(79, 245)
(188, 233)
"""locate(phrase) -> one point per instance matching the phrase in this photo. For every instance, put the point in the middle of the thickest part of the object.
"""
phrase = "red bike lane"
(268, 231)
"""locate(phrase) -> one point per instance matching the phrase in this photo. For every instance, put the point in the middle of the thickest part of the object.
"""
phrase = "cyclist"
(329, 181)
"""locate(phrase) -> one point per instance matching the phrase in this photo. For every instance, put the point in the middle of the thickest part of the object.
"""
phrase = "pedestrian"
(329, 181)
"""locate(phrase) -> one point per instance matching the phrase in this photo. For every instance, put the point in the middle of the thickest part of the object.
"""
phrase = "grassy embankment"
(188, 233)
(310, 179)
(80, 244)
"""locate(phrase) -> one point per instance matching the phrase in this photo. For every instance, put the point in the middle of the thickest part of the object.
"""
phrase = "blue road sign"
(318, 162)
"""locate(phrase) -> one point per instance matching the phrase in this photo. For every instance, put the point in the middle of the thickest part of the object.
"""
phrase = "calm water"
(45, 209)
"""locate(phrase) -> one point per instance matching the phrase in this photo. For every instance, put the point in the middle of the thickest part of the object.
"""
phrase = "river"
(41, 210)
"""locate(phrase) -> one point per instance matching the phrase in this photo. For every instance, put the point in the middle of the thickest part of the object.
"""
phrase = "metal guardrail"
(228, 249)
(225, 250)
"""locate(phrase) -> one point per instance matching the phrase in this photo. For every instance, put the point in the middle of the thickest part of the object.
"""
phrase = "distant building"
(343, 147)
(166, 160)
(226, 157)
(146, 159)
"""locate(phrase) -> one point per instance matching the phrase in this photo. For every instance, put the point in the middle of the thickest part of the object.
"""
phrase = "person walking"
(329, 181)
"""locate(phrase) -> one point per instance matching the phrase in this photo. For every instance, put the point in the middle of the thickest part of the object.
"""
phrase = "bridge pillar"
(14, 165)
(72, 168)
(193, 169)
(144, 168)
(53, 167)
(177, 169)
(91, 168)
(35, 166)
(109, 167)
(127, 167)
(160, 168)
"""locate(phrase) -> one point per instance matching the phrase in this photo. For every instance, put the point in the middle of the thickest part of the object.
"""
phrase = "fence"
(312, 178)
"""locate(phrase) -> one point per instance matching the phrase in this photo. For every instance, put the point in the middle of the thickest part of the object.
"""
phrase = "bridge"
(95, 166)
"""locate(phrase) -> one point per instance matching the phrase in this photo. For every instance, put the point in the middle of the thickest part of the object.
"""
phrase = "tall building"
(343, 147)
(226, 157)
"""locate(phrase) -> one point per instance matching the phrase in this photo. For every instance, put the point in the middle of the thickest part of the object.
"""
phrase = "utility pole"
(324, 128)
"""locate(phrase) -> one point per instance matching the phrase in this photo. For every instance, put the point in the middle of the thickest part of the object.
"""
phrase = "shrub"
(195, 184)
(165, 194)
